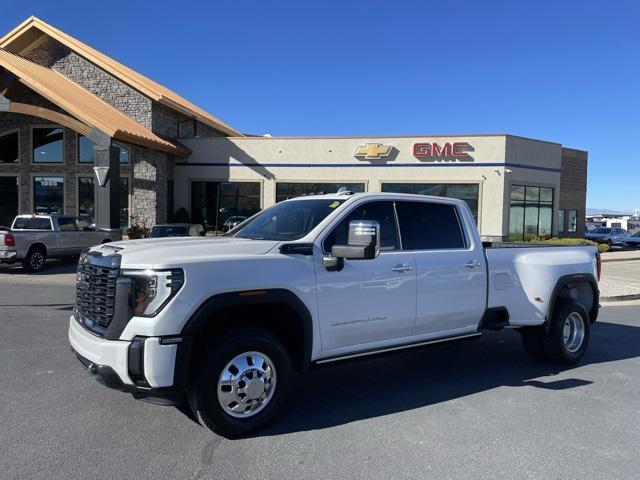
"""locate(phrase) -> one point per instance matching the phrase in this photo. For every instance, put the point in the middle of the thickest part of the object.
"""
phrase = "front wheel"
(242, 382)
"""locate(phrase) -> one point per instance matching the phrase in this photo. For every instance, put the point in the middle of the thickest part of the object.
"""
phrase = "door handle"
(402, 268)
(472, 264)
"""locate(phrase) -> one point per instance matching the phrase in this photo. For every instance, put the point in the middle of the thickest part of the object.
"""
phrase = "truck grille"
(96, 293)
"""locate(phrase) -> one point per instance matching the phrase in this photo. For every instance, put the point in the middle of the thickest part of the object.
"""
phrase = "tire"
(226, 357)
(532, 341)
(567, 344)
(34, 261)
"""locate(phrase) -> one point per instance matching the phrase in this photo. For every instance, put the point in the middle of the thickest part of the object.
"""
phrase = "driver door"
(367, 301)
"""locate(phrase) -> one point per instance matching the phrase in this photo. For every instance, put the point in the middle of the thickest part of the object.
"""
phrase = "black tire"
(203, 394)
(34, 261)
(532, 341)
(553, 344)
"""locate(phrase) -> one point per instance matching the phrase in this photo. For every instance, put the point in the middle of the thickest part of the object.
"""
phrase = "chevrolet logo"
(372, 151)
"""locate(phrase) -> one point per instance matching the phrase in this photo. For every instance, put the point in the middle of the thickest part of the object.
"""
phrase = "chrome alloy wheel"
(573, 332)
(246, 384)
(36, 261)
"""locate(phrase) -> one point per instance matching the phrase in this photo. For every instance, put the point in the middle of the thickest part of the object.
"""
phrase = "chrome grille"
(96, 293)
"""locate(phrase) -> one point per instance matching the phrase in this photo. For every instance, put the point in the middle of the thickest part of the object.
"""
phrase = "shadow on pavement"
(363, 389)
(51, 267)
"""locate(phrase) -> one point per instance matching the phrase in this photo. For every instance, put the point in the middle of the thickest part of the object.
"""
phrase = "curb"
(620, 260)
(621, 298)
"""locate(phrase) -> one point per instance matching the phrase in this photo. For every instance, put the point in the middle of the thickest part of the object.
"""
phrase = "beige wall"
(268, 160)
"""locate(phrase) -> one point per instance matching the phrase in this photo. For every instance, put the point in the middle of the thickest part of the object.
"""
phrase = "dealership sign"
(447, 150)
(372, 151)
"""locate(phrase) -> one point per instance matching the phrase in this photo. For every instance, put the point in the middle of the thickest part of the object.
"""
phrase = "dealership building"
(73, 120)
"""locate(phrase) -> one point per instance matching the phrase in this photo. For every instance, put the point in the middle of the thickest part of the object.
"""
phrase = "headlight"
(152, 289)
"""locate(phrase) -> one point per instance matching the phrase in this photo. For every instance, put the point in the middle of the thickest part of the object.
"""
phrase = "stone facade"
(116, 93)
(573, 187)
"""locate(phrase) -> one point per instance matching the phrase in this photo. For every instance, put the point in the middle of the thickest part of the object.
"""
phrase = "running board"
(399, 347)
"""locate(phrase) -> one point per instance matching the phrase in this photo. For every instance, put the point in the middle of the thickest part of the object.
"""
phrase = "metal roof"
(29, 32)
(83, 105)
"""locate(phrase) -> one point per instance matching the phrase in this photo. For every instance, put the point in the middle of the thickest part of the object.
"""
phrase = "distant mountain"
(605, 211)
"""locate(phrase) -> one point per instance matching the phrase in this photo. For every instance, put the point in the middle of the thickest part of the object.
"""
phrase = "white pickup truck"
(34, 238)
(222, 322)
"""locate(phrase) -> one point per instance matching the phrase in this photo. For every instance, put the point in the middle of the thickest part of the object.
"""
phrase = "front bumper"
(144, 367)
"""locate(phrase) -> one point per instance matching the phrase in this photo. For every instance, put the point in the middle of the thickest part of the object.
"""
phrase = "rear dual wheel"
(566, 339)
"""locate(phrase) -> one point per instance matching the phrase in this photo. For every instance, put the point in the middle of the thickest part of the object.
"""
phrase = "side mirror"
(89, 229)
(363, 243)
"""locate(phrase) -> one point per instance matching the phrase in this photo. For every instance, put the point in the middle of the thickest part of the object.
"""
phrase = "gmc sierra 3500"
(221, 323)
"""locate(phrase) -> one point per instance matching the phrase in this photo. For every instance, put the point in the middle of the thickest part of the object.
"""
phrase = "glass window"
(429, 226)
(382, 212)
(287, 221)
(9, 196)
(86, 207)
(48, 195)
(530, 213)
(285, 191)
(214, 203)
(572, 221)
(86, 199)
(32, 223)
(560, 221)
(48, 145)
(469, 192)
(67, 224)
(82, 224)
(85, 150)
(9, 147)
(159, 231)
(124, 202)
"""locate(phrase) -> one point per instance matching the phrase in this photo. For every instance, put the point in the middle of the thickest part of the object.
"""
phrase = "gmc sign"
(433, 150)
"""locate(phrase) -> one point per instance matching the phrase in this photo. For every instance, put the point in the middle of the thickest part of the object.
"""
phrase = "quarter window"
(48, 145)
(429, 226)
(382, 212)
(9, 147)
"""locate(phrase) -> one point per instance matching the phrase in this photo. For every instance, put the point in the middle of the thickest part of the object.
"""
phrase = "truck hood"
(174, 251)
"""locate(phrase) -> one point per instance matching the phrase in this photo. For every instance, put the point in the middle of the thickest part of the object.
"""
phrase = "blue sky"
(564, 71)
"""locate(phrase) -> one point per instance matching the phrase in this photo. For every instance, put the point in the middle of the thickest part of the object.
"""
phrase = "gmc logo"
(433, 150)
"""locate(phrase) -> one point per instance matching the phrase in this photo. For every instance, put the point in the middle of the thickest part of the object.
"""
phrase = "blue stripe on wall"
(366, 165)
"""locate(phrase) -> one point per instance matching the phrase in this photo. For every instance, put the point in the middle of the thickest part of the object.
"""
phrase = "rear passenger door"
(67, 240)
(451, 270)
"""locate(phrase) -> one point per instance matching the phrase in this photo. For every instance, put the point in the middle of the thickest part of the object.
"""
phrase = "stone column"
(107, 197)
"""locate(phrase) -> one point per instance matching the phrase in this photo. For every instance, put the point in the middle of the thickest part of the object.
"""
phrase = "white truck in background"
(34, 238)
(221, 323)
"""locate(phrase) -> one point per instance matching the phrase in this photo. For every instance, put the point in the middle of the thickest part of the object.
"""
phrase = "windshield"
(602, 230)
(167, 231)
(288, 220)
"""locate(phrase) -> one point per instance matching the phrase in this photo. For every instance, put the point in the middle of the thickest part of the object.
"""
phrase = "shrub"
(602, 247)
(136, 230)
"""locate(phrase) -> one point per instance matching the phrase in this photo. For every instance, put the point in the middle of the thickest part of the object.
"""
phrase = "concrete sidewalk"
(620, 281)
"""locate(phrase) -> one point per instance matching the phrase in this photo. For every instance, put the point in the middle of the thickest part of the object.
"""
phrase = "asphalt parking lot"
(479, 409)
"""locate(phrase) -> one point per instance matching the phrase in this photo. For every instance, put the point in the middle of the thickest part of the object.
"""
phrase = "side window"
(382, 212)
(67, 224)
(429, 226)
(81, 223)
